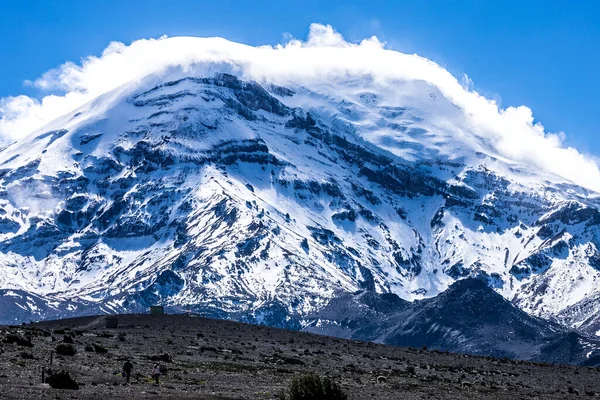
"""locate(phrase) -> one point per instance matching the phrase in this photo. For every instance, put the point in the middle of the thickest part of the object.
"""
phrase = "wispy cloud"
(325, 56)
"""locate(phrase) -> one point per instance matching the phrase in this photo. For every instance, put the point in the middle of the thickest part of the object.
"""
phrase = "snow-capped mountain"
(263, 202)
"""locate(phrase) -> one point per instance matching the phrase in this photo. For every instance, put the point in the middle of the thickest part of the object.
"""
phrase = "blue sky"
(544, 54)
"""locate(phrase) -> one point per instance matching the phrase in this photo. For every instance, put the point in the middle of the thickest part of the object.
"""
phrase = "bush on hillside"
(98, 348)
(18, 340)
(312, 387)
(66, 349)
(61, 380)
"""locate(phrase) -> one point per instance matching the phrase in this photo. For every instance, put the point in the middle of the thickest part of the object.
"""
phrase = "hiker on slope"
(127, 368)
(156, 373)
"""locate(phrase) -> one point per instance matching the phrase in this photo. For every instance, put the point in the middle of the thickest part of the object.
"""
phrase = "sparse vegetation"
(229, 367)
(66, 349)
(98, 348)
(18, 340)
(269, 363)
(312, 387)
(61, 380)
(162, 357)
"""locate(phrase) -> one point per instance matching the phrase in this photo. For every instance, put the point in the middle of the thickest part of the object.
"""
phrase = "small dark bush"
(18, 339)
(61, 380)
(89, 348)
(26, 356)
(162, 357)
(67, 339)
(98, 348)
(204, 348)
(121, 336)
(66, 349)
(291, 360)
(312, 387)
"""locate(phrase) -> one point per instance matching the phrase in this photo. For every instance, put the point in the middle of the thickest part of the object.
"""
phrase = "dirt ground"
(214, 359)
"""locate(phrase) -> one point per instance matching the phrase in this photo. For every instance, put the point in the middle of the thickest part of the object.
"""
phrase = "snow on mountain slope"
(200, 189)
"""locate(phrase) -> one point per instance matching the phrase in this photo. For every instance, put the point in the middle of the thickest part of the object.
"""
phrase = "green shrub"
(312, 387)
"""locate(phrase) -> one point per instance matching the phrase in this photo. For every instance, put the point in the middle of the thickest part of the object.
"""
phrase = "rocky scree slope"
(216, 359)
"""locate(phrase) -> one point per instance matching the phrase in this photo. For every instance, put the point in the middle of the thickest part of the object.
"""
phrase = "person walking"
(156, 373)
(127, 368)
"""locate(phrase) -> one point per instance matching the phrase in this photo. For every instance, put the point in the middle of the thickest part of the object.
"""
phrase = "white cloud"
(323, 58)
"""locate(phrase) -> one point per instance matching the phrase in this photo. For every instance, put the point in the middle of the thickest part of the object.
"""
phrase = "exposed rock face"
(469, 317)
(256, 202)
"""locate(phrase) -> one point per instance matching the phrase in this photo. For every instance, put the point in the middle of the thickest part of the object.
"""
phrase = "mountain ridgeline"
(294, 207)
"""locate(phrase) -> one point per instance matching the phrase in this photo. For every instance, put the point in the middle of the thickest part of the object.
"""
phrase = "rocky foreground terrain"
(216, 359)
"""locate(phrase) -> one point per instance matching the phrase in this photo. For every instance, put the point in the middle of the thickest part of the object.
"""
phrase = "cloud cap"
(326, 63)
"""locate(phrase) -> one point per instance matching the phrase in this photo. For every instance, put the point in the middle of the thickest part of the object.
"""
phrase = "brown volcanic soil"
(214, 359)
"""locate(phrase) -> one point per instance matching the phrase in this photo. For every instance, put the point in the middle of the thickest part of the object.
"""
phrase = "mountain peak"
(266, 202)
